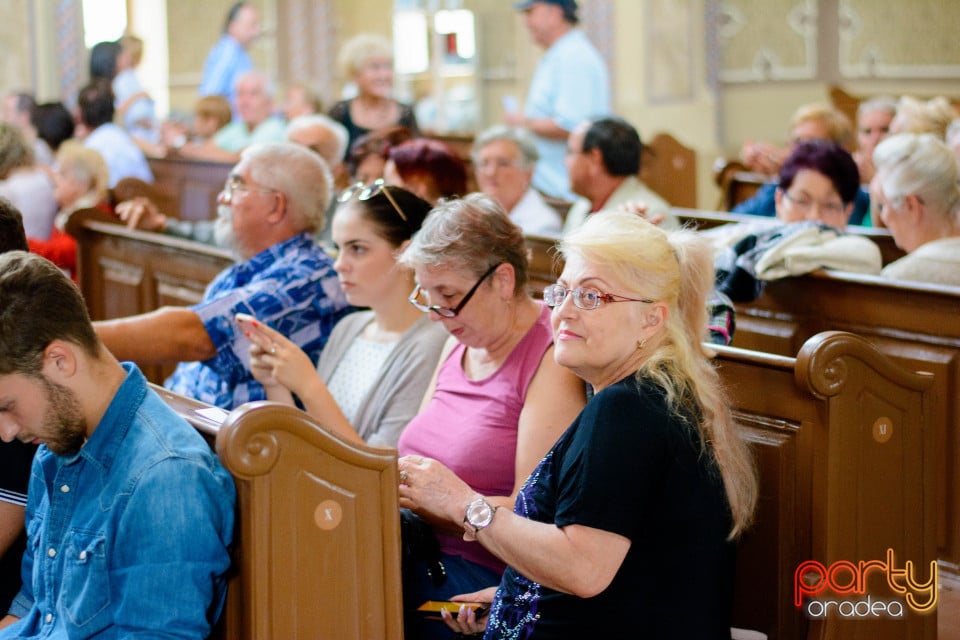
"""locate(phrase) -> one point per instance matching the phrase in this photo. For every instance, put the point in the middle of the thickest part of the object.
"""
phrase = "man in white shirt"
(504, 158)
(603, 160)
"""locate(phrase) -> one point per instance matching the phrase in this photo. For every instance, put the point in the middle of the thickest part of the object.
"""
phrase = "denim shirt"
(128, 537)
(292, 288)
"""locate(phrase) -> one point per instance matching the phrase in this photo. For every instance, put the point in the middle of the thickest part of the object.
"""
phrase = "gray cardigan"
(397, 392)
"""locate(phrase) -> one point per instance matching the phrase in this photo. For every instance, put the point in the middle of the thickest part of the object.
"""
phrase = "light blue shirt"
(225, 62)
(128, 537)
(236, 136)
(569, 85)
(123, 157)
(292, 288)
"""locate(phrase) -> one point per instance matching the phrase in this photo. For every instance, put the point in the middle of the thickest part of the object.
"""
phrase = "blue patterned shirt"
(292, 288)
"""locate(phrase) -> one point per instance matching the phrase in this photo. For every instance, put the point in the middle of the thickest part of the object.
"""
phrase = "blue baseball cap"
(569, 6)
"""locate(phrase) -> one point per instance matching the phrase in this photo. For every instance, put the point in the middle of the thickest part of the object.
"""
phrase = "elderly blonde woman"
(80, 181)
(916, 193)
(919, 116)
(367, 61)
(499, 400)
(641, 498)
(25, 184)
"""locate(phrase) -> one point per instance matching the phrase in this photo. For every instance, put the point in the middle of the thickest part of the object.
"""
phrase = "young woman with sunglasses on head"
(377, 364)
(499, 400)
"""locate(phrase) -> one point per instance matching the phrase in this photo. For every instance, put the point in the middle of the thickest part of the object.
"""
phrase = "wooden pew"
(318, 538)
(841, 435)
(916, 324)
(670, 168)
(317, 546)
(543, 263)
(736, 182)
(188, 188)
(125, 272)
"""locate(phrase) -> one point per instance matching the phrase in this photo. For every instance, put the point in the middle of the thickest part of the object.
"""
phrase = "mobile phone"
(432, 608)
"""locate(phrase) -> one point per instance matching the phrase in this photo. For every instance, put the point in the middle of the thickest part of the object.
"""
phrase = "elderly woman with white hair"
(917, 196)
(367, 61)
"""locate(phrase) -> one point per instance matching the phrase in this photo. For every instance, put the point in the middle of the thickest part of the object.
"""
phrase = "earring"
(641, 343)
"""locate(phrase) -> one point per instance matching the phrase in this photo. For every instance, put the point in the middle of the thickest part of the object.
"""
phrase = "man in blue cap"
(570, 85)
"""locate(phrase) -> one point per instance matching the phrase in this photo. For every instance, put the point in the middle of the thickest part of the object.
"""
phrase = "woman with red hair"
(428, 168)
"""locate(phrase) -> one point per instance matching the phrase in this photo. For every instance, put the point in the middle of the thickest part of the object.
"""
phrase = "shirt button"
(65, 489)
(83, 555)
(48, 618)
(51, 552)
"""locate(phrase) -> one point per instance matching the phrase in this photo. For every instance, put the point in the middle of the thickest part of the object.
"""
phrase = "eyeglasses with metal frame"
(586, 298)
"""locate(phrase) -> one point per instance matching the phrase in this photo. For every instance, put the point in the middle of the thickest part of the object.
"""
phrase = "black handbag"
(420, 545)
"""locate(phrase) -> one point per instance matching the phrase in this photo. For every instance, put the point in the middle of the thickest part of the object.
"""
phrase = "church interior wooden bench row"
(916, 324)
(840, 434)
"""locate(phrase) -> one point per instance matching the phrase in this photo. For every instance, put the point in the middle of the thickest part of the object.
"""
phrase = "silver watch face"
(479, 514)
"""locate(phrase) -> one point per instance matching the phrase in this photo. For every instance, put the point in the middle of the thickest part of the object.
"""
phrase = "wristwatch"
(479, 514)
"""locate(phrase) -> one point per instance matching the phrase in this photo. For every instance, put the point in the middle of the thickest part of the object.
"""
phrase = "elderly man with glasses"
(504, 158)
(269, 210)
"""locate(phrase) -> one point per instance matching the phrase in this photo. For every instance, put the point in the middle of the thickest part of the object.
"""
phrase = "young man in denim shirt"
(129, 514)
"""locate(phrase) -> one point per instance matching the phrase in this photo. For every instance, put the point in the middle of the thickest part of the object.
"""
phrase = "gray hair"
(469, 234)
(917, 116)
(298, 173)
(262, 78)
(953, 132)
(321, 120)
(882, 104)
(919, 164)
(517, 135)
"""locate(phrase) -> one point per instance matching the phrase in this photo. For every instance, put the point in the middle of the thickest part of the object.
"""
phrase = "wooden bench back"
(840, 434)
(124, 272)
(736, 182)
(318, 541)
(670, 168)
(317, 548)
(915, 324)
(188, 189)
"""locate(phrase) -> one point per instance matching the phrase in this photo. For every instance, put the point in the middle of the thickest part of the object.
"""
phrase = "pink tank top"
(471, 425)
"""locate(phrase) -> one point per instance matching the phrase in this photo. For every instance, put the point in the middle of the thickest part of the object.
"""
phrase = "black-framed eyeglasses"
(586, 298)
(448, 312)
(365, 192)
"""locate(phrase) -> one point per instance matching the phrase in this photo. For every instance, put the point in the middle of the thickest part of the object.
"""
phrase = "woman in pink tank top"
(499, 401)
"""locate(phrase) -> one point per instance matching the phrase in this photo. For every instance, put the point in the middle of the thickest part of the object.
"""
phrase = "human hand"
(433, 491)
(514, 119)
(140, 213)
(762, 157)
(172, 133)
(466, 622)
(275, 361)
(639, 208)
(865, 166)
